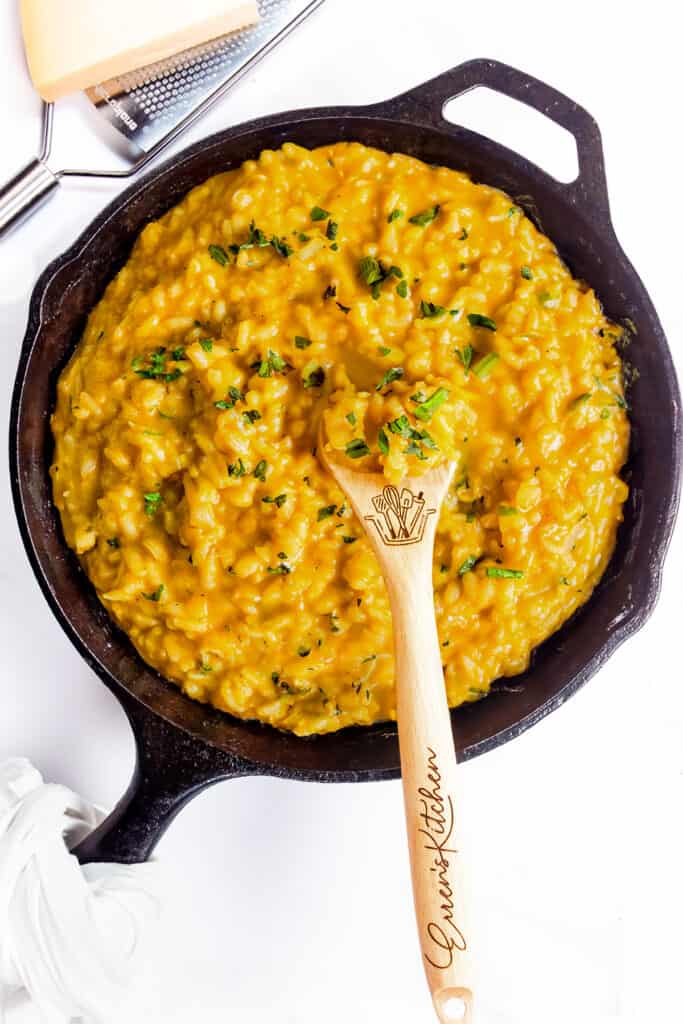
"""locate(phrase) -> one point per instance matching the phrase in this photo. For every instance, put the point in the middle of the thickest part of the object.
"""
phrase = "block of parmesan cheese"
(73, 44)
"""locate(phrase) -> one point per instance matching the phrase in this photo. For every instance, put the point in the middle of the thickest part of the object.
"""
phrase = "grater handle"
(25, 193)
(33, 184)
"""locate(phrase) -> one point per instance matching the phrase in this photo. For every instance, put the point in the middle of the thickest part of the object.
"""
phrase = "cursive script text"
(438, 821)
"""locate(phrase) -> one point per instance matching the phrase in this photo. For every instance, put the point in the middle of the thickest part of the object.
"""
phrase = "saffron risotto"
(424, 317)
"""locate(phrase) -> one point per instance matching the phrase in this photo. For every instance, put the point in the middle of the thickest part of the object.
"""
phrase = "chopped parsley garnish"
(279, 570)
(503, 574)
(344, 309)
(153, 502)
(526, 273)
(375, 274)
(302, 342)
(513, 210)
(326, 512)
(351, 417)
(349, 540)
(237, 469)
(273, 362)
(330, 292)
(234, 395)
(334, 247)
(580, 399)
(255, 239)
(402, 289)
(370, 270)
(465, 357)
(383, 350)
(281, 248)
(156, 594)
(260, 470)
(178, 354)
(304, 237)
(114, 542)
(394, 215)
(464, 234)
(429, 310)
(383, 442)
(508, 510)
(278, 500)
(218, 253)
(157, 367)
(315, 379)
(207, 344)
(303, 652)
(392, 374)
(468, 564)
(400, 426)
(425, 217)
(317, 213)
(483, 368)
(251, 415)
(357, 449)
(479, 320)
(428, 407)
(332, 230)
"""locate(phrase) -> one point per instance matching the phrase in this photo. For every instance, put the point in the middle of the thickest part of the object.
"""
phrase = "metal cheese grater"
(150, 107)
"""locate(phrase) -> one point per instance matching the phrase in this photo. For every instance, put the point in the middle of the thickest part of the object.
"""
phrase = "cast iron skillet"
(182, 746)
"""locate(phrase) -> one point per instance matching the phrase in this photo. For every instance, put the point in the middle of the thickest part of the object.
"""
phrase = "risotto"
(424, 317)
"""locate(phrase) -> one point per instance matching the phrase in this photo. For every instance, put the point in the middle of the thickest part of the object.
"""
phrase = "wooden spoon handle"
(428, 768)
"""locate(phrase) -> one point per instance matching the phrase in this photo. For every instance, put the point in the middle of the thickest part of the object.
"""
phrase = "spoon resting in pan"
(400, 522)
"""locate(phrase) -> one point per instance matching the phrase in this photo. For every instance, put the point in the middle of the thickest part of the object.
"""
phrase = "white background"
(291, 902)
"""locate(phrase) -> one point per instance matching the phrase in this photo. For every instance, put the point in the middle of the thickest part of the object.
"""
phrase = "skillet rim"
(389, 111)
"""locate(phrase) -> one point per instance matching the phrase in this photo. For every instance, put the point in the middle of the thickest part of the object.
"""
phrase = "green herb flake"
(278, 570)
(580, 399)
(508, 510)
(281, 248)
(218, 253)
(357, 449)
(425, 217)
(349, 540)
(370, 270)
(234, 395)
(278, 500)
(304, 237)
(383, 442)
(429, 310)
(392, 374)
(402, 289)
(496, 573)
(302, 342)
(114, 543)
(468, 564)
(207, 344)
(156, 594)
(178, 354)
(464, 235)
(479, 320)
(426, 409)
(251, 415)
(314, 379)
(383, 350)
(394, 215)
(260, 470)
(153, 502)
(237, 469)
(332, 230)
(465, 357)
(351, 417)
(317, 213)
(526, 273)
(483, 368)
(303, 652)
(326, 512)
(344, 309)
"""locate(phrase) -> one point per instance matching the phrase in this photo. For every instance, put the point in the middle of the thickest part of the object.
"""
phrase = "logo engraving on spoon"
(401, 515)
(438, 822)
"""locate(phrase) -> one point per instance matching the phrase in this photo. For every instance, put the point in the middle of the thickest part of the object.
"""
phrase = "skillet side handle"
(170, 769)
(425, 104)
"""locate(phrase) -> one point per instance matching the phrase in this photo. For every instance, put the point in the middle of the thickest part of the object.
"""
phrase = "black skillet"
(182, 746)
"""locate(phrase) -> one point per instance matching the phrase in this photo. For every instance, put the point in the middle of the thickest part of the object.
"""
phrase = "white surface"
(290, 902)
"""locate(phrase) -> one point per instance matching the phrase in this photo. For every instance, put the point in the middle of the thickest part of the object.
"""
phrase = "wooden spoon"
(402, 536)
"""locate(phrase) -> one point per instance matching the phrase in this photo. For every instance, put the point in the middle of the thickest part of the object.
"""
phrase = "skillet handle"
(171, 767)
(425, 104)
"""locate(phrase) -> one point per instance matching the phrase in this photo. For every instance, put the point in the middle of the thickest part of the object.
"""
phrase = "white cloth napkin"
(72, 938)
